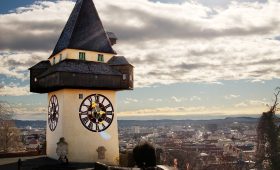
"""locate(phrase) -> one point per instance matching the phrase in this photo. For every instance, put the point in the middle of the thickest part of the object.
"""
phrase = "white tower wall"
(82, 143)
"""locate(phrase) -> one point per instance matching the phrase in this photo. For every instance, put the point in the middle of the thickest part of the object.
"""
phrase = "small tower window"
(54, 60)
(100, 58)
(82, 56)
(60, 57)
(124, 76)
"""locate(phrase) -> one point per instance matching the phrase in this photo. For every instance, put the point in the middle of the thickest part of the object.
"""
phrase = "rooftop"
(81, 66)
(84, 31)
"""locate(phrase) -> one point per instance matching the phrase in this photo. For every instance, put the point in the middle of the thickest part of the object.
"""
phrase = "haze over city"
(193, 59)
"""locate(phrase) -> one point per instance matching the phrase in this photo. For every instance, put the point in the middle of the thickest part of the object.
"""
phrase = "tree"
(9, 134)
(267, 154)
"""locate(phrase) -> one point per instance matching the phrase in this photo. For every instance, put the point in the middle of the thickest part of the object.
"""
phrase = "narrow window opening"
(82, 56)
(124, 76)
(100, 58)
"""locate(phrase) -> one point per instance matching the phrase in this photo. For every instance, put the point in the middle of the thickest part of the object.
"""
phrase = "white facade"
(82, 143)
(74, 54)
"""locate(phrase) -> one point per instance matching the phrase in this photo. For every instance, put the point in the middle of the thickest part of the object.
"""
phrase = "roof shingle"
(84, 31)
(118, 60)
(81, 66)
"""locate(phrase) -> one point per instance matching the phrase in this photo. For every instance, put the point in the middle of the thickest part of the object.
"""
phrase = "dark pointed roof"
(41, 64)
(118, 60)
(81, 66)
(84, 30)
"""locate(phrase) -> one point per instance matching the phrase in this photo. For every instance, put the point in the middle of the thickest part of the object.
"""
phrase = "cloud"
(29, 113)
(155, 100)
(35, 27)
(198, 111)
(252, 103)
(177, 100)
(198, 23)
(231, 96)
(166, 42)
(15, 64)
(14, 91)
(168, 1)
(163, 111)
(130, 100)
(242, 104)
(195, 98)
(257, 102)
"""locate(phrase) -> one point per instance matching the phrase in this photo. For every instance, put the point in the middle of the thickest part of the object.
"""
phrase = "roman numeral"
(97, 127)
(90, 125)
(97, 99)
(109, 113)
(107, 106)
(90, 100)
(108, 120)
(85, 120)
(84, 113)
(103, 126)
(87, 106)
(103, 99)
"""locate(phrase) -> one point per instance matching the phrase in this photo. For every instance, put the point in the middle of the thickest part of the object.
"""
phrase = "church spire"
(84, 31)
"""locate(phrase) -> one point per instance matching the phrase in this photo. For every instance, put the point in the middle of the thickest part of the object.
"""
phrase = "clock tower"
(81, 77)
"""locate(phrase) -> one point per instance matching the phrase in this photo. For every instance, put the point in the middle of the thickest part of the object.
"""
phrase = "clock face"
(53, 112)
(96, 113)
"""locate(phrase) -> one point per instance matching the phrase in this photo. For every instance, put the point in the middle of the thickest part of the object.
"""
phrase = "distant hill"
(241, 119)
(32, 123)
(150, 123)
(168, 122)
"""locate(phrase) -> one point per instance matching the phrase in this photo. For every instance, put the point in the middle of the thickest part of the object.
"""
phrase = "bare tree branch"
(9, 133)
(268, 150)
(273, 108)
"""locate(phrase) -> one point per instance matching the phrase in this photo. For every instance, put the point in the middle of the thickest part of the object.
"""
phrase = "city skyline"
(191, 58)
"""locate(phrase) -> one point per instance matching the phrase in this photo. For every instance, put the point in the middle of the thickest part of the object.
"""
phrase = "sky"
(193, 59)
